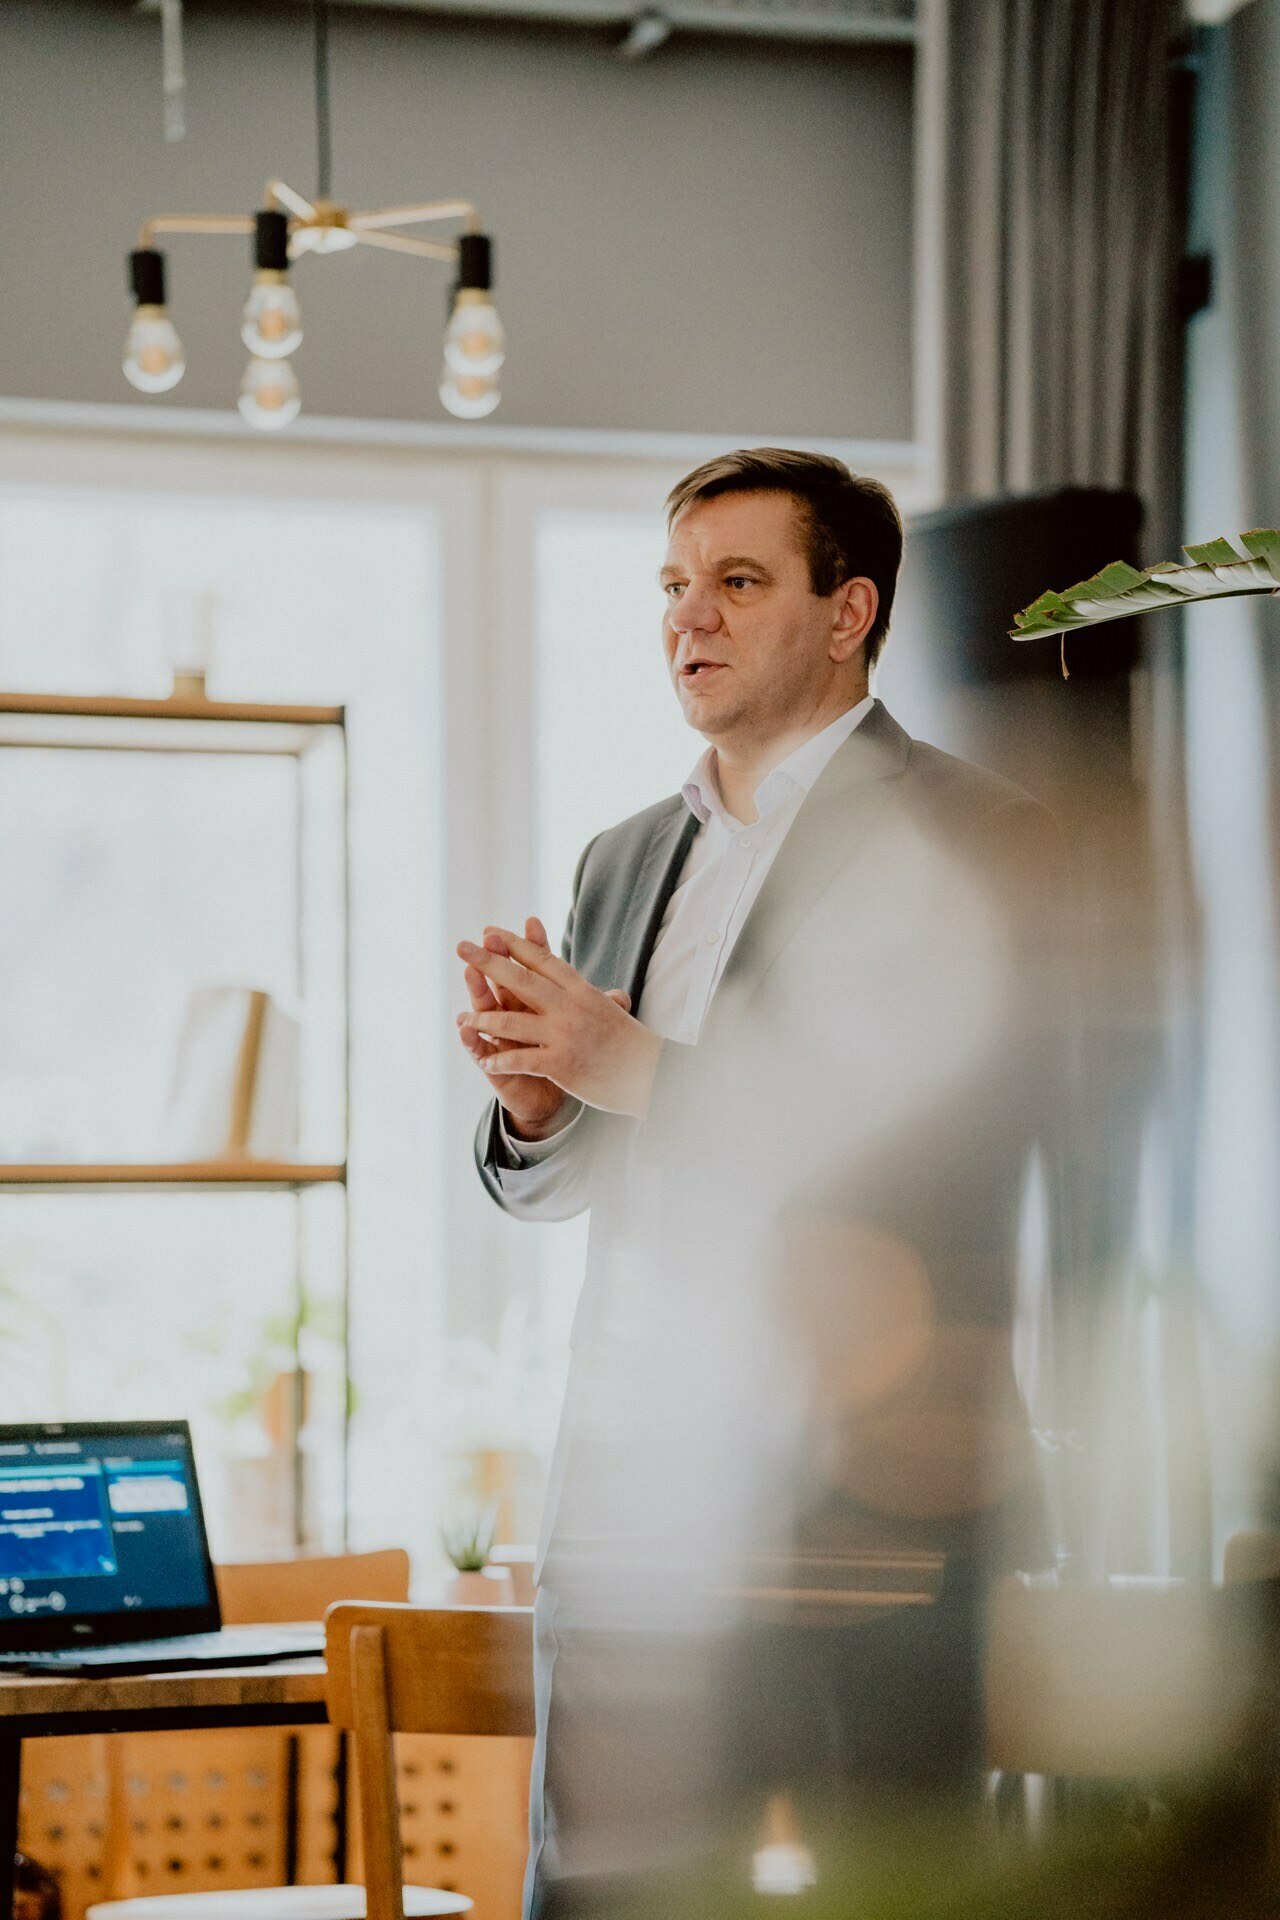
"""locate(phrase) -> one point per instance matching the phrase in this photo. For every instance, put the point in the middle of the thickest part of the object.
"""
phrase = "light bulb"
(469, 396)
(474, 342)
(271, 324)
(269, 396)
(153, 357)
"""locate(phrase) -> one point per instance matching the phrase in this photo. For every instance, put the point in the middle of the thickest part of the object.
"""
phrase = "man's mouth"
(700, 669)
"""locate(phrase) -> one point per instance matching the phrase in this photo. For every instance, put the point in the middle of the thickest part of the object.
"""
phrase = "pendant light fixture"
(289, 226)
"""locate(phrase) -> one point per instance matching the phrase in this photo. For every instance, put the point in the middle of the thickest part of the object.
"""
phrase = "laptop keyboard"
(158, 1656)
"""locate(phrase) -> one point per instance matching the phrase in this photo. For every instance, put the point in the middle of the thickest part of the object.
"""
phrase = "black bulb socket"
(271, 242)
(475, 262)
(146, 277)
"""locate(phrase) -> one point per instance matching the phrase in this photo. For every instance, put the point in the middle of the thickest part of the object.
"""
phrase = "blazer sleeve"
(557, 1186)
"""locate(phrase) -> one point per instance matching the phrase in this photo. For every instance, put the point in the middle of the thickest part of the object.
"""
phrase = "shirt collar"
(796, 774)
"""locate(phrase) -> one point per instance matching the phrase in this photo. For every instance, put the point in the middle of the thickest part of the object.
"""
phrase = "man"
(792, 1058)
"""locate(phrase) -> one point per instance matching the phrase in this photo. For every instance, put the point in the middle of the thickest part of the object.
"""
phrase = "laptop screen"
(101, 1535)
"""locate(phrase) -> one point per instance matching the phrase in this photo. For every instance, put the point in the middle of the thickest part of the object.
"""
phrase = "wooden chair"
(221, 1820)
(454, 1671)
(207, 1817)
(392, 1669)
(252, 1592)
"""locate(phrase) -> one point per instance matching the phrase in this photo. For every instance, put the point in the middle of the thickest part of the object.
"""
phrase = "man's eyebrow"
(732, 563)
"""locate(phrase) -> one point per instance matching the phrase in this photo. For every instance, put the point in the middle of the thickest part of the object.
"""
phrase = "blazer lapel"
(848, 796)
(651, 892)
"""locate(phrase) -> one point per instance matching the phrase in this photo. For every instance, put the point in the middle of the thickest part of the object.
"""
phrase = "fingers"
(530, 1060)
(539, 959)
(531, 1027)
(479, 992)
(516, 975)
(498, 996)
(488, 996)
(475, 1043)
(621, 997)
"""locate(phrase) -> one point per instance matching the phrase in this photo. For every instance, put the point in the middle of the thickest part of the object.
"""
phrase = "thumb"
(622, 997)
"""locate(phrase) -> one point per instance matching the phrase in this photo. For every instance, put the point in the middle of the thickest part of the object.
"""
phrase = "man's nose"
(696, 611)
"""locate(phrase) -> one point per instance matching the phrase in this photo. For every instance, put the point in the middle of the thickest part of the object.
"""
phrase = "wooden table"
(288, 1693)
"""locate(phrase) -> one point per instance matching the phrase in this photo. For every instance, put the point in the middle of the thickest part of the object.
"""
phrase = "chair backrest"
(265, 1590)
(398, 1669)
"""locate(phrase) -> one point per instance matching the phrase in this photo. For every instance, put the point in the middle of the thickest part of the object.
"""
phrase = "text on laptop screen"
(99, 1525)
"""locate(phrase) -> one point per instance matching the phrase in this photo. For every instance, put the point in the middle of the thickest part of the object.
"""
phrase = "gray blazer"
(864, 885)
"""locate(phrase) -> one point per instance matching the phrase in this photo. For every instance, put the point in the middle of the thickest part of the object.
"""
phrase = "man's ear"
(857, 603)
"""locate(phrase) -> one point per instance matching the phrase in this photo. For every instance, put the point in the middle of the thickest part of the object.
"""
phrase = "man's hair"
(851, 524)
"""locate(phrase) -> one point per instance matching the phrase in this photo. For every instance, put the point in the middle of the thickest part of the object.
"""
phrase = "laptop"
(104, 1558)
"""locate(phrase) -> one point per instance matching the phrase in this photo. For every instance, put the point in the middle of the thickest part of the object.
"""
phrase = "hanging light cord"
(324, 169)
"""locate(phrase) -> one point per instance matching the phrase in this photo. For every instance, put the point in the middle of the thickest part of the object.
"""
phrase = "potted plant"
(468, 1541)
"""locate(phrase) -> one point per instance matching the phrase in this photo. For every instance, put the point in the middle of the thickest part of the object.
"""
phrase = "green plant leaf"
(1212, 553)
(1117, 578)
(1264, 544)
(1047, 614)
(1217, 570)
(468, 1538)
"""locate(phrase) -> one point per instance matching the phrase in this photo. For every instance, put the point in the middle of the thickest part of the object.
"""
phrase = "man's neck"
(741, 766)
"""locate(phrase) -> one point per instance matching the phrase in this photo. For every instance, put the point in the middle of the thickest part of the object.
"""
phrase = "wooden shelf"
(178, 1173)
(116, 707)
(185, 726)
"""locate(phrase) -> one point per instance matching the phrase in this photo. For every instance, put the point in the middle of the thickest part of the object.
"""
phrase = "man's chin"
(707, 715)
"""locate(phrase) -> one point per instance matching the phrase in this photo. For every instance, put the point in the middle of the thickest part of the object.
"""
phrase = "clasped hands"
(540, 1031)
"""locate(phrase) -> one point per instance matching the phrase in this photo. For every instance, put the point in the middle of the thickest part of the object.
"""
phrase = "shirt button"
(744, 840)
(713, 939)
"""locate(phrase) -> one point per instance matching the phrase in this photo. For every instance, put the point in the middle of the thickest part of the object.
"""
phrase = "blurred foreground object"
(1147, 1718)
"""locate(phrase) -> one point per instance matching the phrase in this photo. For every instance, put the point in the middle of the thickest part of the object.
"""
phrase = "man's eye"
(740, 580)
(672, 587)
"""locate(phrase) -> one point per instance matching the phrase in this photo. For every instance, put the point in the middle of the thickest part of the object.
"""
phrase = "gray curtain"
(1063, 366)
(1061, 360)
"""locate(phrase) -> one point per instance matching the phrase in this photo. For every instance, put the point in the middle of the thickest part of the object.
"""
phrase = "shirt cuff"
(528, 1153)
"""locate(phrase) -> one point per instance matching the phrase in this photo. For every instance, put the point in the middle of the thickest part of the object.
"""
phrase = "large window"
(134, 879)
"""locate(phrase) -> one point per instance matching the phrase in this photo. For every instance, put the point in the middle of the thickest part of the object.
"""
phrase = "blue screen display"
(93, 1526)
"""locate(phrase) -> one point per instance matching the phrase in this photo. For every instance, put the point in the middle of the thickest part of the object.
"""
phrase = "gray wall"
(713, 239)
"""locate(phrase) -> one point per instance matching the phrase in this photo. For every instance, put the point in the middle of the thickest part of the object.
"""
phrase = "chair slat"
(375, 1763)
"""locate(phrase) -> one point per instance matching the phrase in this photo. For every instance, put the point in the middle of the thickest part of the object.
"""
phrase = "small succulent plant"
(468, 1538)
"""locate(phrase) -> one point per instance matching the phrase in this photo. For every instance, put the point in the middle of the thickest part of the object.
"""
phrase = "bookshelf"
(189, 723)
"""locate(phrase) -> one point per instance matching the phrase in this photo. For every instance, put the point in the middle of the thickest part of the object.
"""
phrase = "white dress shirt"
(721, 877)
(723, 873)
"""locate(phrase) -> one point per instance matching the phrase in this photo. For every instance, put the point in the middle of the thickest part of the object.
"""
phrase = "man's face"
(747, 640)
